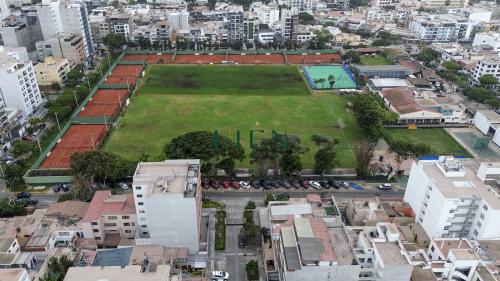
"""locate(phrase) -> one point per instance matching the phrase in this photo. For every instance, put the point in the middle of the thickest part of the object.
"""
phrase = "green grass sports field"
(178, 99)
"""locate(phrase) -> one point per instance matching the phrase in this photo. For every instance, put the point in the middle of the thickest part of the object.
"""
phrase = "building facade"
(51, 71)
(168, 202)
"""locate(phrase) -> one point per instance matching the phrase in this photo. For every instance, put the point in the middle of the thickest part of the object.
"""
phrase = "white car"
(220, 275)
(244, 184)
(385, 186)
(315, 184)
(123, 185)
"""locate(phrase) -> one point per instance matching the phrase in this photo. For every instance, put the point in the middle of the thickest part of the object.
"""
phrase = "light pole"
(76, 100)
(57, 120)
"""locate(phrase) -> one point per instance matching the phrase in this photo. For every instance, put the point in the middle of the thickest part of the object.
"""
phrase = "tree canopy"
(114, 42)
(488, 80)
(363, 151)
(100, 166)
(325, 157)
(427, 55)
(206, 146)
(404, 150)
(306, 18)
(370, 115)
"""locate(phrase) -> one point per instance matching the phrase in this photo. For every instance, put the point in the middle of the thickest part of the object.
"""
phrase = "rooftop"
(390, 253)
(388, 67)
(401, 99)
(103, 203)
(68, 209)
(388, 82)
(117, 273)
(169, 176)
(12, 274)
(492, 116)
(463, 184)
(113, 257)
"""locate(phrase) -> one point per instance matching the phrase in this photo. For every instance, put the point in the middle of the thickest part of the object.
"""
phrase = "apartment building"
(490, 39)
(52, 70)
(127, 273)
(442, 28)
(168, 203)
(289, 24)
(16, 32)
(14, 274)
(310, 243)
(385, 3)
(19, 88)
(488, 65)
(178, 20)
(99, 28)
(301, 5)
(121, 24)
(235, 27)
(4, 9)
(110, 218)
(445, 3)
(449, 200)
(70, 46)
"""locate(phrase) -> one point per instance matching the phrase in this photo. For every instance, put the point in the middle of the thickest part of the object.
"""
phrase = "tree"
(22, 147)
(265, 153)
(9, 209)
(322, 81)
(306, 18)
(351, 56)
(451, 65)
(74, 76)
(427, 55)
(404, 150)
(58, 267)
(55, 86)
(82, 188)
(211, 4)
(291, 150)
(363, 152)
(325, 157)
(322, 38)
(114, 42)
(252, 269)
(370, 115)
(488, 80)
(206, 146)
(331, 80)
(100, 166)
(144, 43)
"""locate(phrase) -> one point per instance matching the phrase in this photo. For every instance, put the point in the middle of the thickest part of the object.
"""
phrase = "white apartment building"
(442, 28)
(69, 46)
(19, 88)
(267, 14)
(301, 5)
(488, 65)
(289, 24)
(168, 203)
(449, 200)
(385, 3)
(178, 20)
(4, 9)
(14, 274)
(445, 3)
(377, 14)
(70, 18)
(491, 39)
(16, 53)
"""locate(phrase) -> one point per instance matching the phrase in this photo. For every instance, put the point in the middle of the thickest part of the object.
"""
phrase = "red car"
(235, 185)
(304, 183)
(225, 184)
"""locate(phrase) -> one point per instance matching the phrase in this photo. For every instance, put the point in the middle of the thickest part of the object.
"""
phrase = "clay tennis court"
(199, 59)
(124, 74)
(257, 59)
(313, 58)
(149, 58)
(78, 138)
(105, 102)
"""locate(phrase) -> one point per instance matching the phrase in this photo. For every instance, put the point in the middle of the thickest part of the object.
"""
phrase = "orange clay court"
(78, 138)
(257, 59)
(124, 74)
(105, 102)
(199, 59)
(164, 58)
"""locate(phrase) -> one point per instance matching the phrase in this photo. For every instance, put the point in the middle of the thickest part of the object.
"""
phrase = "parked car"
(244, 184)
(23, 194)
(295, 184)
(282, 197)
(315, 184)
(241, 241)
(220, 275)
(123, 185)
(345, 185)
(304, 183)
(256, 184)
(385, 186)
(56, 188)
(213, 184)
(225, 184)
(287, 184)
(324, 184)
(234, 184)
(26, 201)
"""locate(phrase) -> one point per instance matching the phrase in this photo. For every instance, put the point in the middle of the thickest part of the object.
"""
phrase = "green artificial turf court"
(342, 76)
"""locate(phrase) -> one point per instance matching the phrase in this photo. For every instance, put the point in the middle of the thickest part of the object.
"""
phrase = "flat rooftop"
(391, 253)
(169, 176)
(117, 273)
(465, 186)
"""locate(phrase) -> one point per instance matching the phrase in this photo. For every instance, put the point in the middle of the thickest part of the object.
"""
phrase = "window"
(98, 238)
(452, 211)
(144, 226)
(479, 224)
(109, 224)
(447, 227)
(432, 248)
(112, 217)
(145, 233)
(125, 217)
(126, 224)
(142, 212)
(139, 195)
(475, 233)
(128, 231)
(485, 208)
(94, 223)
(481, 216)
(137, 188)
(140, 203)
(95, 230)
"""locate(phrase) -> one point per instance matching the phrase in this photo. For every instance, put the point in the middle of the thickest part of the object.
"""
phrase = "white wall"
(481, 122)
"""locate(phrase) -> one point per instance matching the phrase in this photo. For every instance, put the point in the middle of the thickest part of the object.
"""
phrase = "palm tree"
(322, 81)
(82, 189)
(316, 82)
(331, 80)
